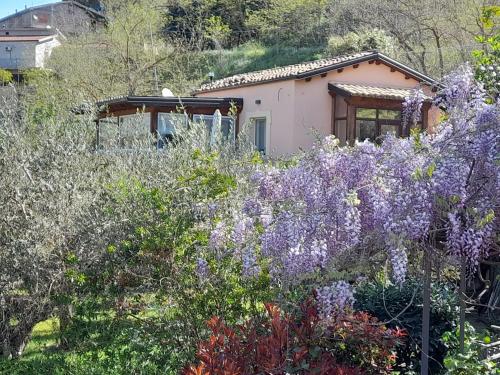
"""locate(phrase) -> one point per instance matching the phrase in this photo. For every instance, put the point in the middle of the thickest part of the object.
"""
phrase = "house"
(28, 37)
(124, 121)
(355, 96)
(67, 17)
(26, 50)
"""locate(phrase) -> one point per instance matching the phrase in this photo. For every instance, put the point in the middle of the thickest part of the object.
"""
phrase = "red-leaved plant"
(304, 344)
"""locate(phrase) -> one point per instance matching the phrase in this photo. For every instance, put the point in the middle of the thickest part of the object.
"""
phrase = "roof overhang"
(172, 100)
(373, 57)
(375, 92)
(167, 103)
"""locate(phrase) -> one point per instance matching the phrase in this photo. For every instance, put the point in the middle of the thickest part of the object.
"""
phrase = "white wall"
(23, 55)
(26, 55)
(43, 52)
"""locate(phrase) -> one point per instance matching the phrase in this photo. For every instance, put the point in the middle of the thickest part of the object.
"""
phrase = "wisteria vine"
(438, 190)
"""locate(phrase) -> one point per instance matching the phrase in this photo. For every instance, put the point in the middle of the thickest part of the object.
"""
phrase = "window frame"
(255, 120)
(378, 122)
(162, 142)
(209, 123)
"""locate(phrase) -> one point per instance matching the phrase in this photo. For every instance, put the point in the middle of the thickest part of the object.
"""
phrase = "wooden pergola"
(154, 105)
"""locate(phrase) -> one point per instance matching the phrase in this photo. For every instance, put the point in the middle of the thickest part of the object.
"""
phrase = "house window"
(133, 130)
(169, 124)
(260, 135)
(227, 125)
(125, 132)
(373, 124)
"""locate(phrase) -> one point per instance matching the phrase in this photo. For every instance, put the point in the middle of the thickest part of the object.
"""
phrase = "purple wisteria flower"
(394, 196)
(412, 108)
(334, 299)
(218, 236)
(243, 226)
(202, 269)
(250, 266)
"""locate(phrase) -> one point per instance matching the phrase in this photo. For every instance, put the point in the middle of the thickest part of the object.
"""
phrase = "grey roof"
(348, 89)
(309, 69)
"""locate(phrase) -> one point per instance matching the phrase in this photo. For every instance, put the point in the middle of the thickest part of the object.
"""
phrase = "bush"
(365, 40)
(468, 362)
(151, 276)
(300, 343)
(402, 307)
(5, 77)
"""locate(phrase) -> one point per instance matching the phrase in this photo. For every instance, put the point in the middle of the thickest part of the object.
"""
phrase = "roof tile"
(375, 91)
(282, 72)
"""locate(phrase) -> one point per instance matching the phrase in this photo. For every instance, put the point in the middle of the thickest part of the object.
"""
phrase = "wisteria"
(249, 260)
(439, 190)
(202, 269)
(412, 108)
(334, 299)
(218, 236)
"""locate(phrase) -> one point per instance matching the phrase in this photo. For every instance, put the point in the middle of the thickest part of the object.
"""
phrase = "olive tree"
(51, 193)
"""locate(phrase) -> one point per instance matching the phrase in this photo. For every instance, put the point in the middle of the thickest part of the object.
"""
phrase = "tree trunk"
(66, 313)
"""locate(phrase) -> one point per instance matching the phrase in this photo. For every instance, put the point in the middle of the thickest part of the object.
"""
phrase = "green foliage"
(364, 40)
(487, 59)
(290, 22)
(149, 287)
(216, 30)
(402, 307)
(468, 362)
(5, 77)
(255, 56)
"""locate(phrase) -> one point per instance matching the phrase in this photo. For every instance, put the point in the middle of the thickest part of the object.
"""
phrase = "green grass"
(102, 345)
(38, 357)
(253, 56)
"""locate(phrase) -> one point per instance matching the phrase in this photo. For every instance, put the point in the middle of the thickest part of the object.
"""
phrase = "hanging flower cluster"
(334, 299)
(412, 108)
(440, 190)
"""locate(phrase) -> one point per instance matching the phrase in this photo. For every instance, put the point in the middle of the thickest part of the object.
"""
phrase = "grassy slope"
(252, 56)
(184, 72)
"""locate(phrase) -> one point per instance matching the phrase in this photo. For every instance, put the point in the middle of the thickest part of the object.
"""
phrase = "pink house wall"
(298, 110)
(277, 101)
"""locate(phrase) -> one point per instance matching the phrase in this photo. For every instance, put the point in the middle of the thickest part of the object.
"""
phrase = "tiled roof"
(372, 91)
(309, 69)
(283, 72)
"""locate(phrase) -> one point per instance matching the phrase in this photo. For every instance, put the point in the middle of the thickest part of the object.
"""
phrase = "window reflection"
(373, 124)
(169, 124)
(227, 124)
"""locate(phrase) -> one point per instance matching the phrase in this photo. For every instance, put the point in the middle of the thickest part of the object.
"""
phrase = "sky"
(9, 6)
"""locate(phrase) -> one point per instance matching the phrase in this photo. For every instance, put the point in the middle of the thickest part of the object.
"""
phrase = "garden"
(207, 258)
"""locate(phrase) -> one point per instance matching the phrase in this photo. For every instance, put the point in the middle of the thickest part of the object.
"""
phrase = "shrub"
(364, 40)
(299, 343)
(402, 306)
(5, 77)
(468, 362)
